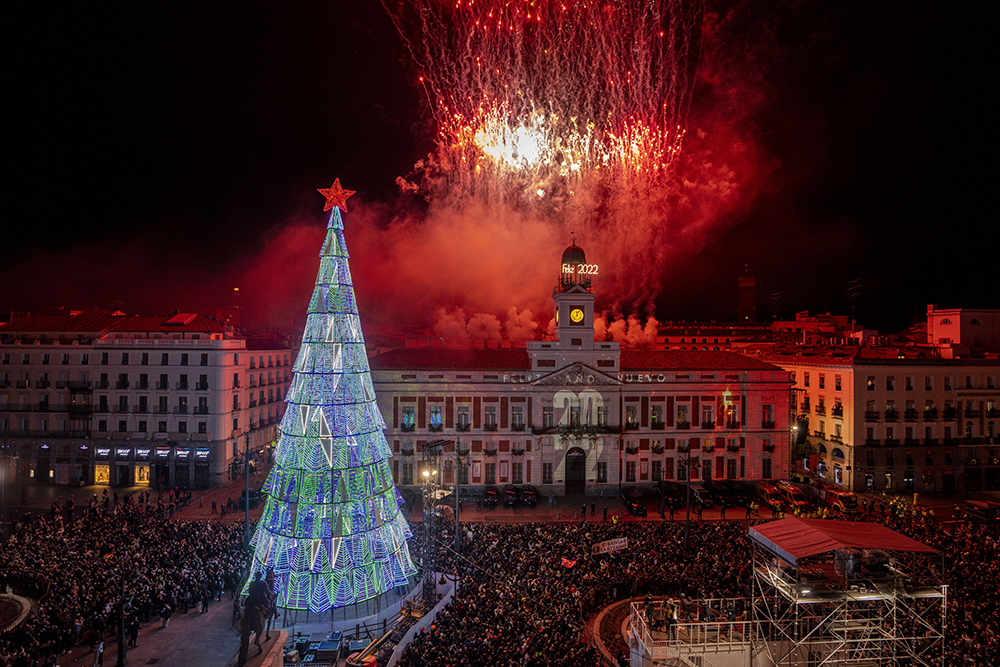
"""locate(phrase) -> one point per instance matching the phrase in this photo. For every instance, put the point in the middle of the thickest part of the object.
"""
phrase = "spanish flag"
(566, 562)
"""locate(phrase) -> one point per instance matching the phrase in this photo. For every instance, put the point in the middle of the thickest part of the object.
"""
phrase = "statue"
(258, 603)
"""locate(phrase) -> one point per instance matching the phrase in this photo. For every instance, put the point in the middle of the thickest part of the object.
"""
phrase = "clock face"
(576, 315)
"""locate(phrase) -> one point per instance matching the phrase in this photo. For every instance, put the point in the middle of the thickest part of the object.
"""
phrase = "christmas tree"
(332, 528)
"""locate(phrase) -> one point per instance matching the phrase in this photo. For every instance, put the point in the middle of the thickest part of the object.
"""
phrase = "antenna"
(853, 290)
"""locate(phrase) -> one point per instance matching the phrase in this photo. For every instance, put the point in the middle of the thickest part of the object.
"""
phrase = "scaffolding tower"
(844, 594)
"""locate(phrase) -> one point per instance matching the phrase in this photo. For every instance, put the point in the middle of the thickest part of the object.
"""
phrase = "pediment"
(577, 375)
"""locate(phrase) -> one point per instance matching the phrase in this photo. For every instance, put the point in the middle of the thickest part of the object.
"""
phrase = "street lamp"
(3, 504)
(246, 498)
(688, 465)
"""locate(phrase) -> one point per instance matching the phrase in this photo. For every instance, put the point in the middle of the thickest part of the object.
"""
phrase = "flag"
(566, 562)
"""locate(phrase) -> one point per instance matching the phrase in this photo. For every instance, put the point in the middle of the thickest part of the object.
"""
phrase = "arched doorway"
(576, 472)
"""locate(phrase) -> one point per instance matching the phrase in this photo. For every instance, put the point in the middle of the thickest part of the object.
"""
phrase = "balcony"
(201, 410)
(708, 447)
(836, 438)
(993, 413)
(872, 442)
(733, 448)
(43, 384)
(892, 442)
(683, 426)
(181, 410)
(140, 409)
(517, 452)
(163, 385)
(201, 386)
(142, 385)
(632, 450)
(820, 409)
(733, 425)
(950, 414)
(62, 384)
(490, 427)
(804, 407)
(252, 404)
(872, 415)
(435, 428)
(930, 414)
(519, 428)
(891, 415)
(23, 384)
(4, 384)
(122, 384)
(631, 426)
(182, 385)
(910, 415)
(768, 447)
(971, 414)
(767, 425)
(121, 410)
(911, 442)
(407, 451)
(930, 442)
(657, 425)
(684, 448)
(103, 409)
(463, 427)
(80, 409)
(837, 411)
(490, 452)
(162, 410)
(708, 425)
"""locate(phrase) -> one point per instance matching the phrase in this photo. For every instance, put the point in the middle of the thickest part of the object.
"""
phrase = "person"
(99, 654)
(583, 512)
(699, 511)
(165, 615)
(213, 505)
(722, 512)
(673, 510)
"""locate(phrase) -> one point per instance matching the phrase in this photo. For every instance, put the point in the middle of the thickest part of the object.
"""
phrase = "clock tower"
(574, 315)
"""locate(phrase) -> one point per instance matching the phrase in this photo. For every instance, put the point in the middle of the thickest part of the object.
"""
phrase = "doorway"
(576, 472)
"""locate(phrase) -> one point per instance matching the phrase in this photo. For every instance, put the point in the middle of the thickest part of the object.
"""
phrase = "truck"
(792, 496)
(834, 497)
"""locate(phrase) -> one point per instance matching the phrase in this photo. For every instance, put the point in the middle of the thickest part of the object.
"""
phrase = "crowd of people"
(169, 566)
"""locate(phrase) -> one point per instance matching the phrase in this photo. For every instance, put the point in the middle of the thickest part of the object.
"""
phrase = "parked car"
(529, 497)
(769, 495)
(491, 497)
(635, 504)
(672, 494)
(721, 494)
(511, 496)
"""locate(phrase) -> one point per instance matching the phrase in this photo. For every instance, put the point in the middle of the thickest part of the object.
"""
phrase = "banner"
(608, 546)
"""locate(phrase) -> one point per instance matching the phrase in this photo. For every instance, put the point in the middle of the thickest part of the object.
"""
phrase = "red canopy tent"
(795, 538)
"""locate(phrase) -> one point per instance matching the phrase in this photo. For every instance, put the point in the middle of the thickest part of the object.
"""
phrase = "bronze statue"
(258, 603)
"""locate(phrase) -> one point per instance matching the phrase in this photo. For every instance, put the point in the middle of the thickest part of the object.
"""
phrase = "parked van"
(769, 495)
(792, 496)
(835, 497)
(701, 497)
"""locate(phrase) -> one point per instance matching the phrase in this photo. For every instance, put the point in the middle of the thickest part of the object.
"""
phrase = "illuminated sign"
(580, 269)
(122, 452)
(142, 453)
(201, 453)
(163, 452)
(182, 453)
(102, 452)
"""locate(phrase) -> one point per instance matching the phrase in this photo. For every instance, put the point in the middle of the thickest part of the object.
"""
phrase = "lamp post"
(3, 503)
(246, 498)
(122, 650)
(688, 466)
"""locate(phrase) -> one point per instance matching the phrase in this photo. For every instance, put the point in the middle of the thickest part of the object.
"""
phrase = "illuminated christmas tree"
(332, 528)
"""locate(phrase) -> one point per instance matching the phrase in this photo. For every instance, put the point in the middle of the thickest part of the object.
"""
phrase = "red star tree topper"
(335, 196)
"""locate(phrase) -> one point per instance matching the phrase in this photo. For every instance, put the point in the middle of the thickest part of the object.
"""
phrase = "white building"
(106, 398)
(575, 415)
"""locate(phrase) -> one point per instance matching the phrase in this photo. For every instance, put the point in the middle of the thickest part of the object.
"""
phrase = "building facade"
(105, 398)
(896, 419)
(577, 416)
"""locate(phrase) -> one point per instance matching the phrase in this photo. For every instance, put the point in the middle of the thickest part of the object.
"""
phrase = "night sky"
(165, 153)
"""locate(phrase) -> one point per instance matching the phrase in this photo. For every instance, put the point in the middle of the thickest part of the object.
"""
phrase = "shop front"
(202, 479)
(182, 467)
(102, 465)
(122, 476)
(162, 467)
(142, 457)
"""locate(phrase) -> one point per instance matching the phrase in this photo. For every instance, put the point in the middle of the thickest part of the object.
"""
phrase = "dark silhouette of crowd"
(169, 567)
(518, 605)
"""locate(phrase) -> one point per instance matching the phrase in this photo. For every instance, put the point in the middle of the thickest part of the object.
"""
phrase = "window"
(968, 382)
(602, 415)
(517, 418)
(683, 420)
(805, 379)
(435, 417)
(574, 415)
(947, 457)
(236, 380)
(766, 471)
(890, 459)
(870, 458)
(890, 383)
(491, 473)
(630, 471)
(122, 425)
(490, 419)
(102, 425)
(928, 383)
(184, 359)
(204, 359)
(947, 383)
(657, 416)
(182, 427)
(164, 359)
(463, 417)
(142, 427)
(463, 473)
(236, 423)
(657, 470)
(409, 418)
(547, 472)
(871, 383)
(517, 472)
(407, 473)
(104, 358)
(84, 360)
(708, 416)
(822, 381)
(837, 383)
(202, 427)
(602, 472)
(124, 359)
(161, 427)
(548, 417)
(144, 359)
